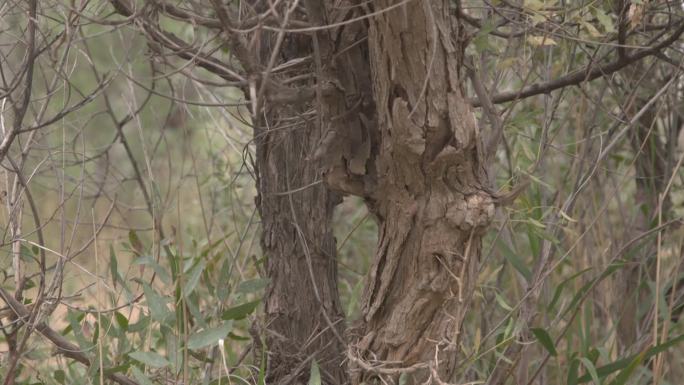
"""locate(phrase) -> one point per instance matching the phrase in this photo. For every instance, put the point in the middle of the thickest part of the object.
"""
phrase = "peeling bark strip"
(431, 198)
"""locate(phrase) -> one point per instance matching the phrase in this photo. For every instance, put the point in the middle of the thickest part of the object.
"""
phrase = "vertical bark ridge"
(299, 244)
(303, 319)
(432, 200)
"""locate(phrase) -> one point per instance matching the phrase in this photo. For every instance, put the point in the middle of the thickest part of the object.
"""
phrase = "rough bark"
(301, 302)
(413, 151)
(303, 316)
(428, 188)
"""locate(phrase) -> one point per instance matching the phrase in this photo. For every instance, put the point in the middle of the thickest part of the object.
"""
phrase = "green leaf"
(236, 337)
(208, 248)
(591, 369)
(593, 355)
(543, 337)
(209, 336)
(572, 372)
(252, 285)
(25, 254)
(579, 295)
(121, 320)
(240, 311)
(623, 363)
(605, 20)
(140, 376)
(150, 359)
(502, 302)
(117, 369)
(113, 266)
(135, 242)
(191, 303)
(624, 375)
(139, 326)
(59, 376)
(149, 261)
(156, 303)
(75, 319)
(481, 39)
(193, 278)
(559, 289)
(512, 258)
(315, 376)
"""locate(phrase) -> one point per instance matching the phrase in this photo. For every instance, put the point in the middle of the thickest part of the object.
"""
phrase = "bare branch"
(588, 73)
(63, 346)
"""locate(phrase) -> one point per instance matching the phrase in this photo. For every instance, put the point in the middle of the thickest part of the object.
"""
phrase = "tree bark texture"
(392, 126)
(427, 185)
(303, 315)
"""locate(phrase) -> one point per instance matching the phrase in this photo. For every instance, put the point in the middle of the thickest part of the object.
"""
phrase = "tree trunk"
(413, 152)
(428, 189)
(303, 312)
(303, 315)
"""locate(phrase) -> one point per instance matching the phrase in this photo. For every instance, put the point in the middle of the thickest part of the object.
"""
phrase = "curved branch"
(588, 73)
(64, 347)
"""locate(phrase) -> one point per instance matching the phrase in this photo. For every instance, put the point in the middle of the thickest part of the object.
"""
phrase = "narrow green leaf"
(252, 285)
(502, 302)
(515, 261)
(240, 311)
(150, 359)
(208, 248)
(191, 303)
(121, 320)
(572, 372)
(75, 319)
(315, 376)
(117, 369)
(139, 326)
(578, 296)
(193, 278)
(25, 254)
(544, 339)
(209, 336)
(140, 376)
(236, 337)
(559, 289)
(156, 303)
(591, 369)
(113, 266)
(149, 261)
(623, 363)
(135, 242)
(624, 375)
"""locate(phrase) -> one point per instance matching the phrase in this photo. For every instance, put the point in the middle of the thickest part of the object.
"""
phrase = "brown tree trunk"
(303, 312)
(413, 151)
(428, 187)
(303, 315)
